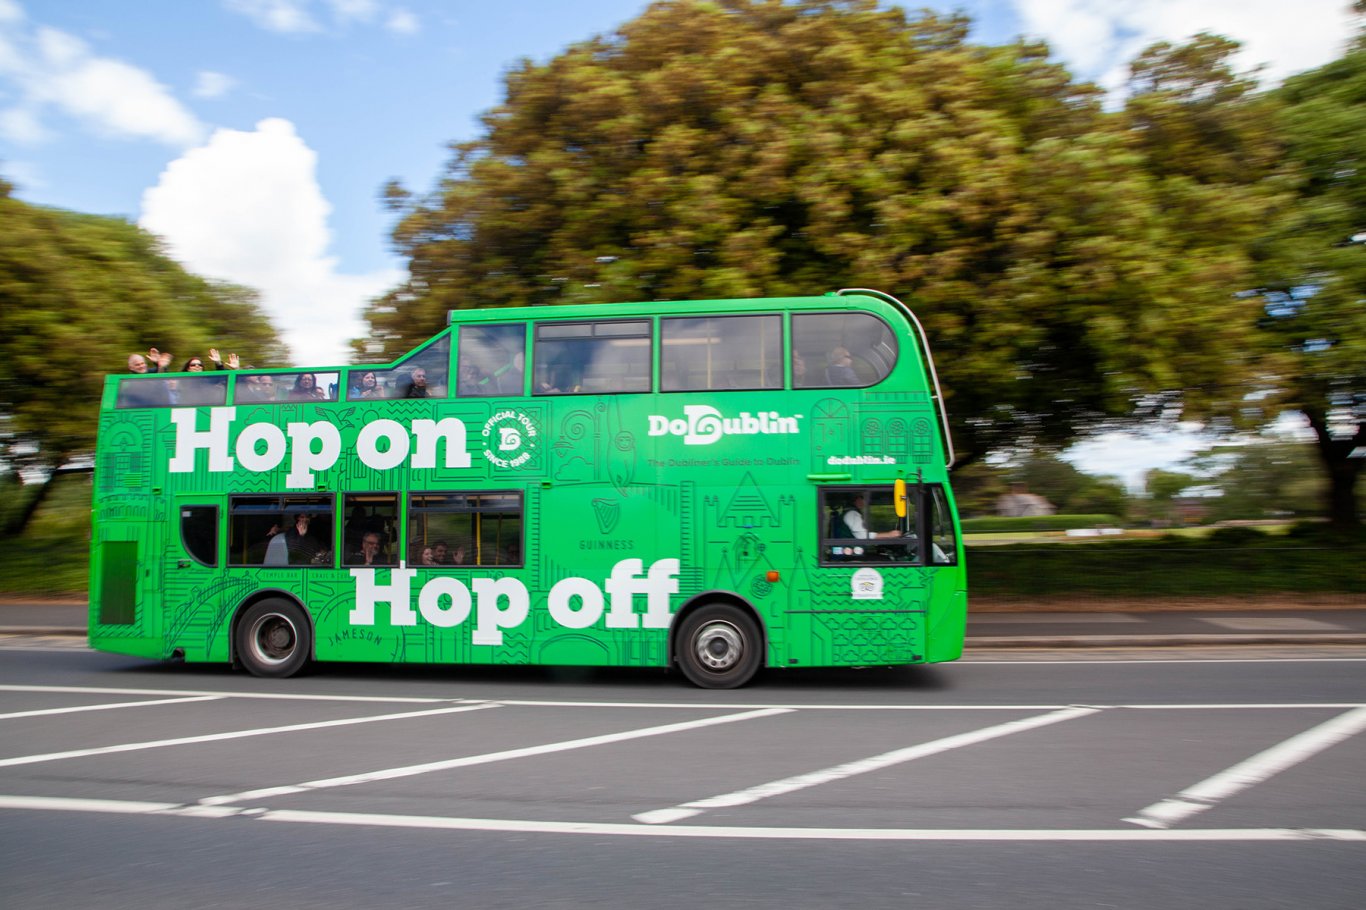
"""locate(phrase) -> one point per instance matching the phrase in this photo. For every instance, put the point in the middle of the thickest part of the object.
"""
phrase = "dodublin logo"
(702, 424)
(509, 439)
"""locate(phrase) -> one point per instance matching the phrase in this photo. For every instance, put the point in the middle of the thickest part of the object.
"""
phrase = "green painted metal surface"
(627, 508)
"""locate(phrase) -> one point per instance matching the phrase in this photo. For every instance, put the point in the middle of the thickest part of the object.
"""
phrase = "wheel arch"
(718, 595)
(252, 600)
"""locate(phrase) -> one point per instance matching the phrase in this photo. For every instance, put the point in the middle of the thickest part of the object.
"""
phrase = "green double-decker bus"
(720, 485)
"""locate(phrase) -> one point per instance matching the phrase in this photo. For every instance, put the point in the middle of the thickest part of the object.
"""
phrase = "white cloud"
(24, 174)
(402, 22)
(276, 15)
(50, 69)
(1099, 38)
(246, 207)
(21, 125)
(296, 16)
(354, 10)
(209, 84)
(1131, 455)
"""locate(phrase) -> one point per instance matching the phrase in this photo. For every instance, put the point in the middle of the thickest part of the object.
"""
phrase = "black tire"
(273, 638)
(719, 647)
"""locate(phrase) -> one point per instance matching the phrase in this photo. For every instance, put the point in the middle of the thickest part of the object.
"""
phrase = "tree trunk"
(1342, 469)
(19, 521)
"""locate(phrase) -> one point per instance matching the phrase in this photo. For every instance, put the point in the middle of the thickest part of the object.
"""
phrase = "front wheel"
(719, 647)
(273, 638)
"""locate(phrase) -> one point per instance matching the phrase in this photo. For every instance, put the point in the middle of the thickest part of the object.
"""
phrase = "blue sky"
(254, 135)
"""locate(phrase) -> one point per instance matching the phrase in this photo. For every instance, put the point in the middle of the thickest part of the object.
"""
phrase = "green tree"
(1264, 479)
(1314, 271)
(1163, 487)
(78, 294)
(1071, 490)
(769, 147)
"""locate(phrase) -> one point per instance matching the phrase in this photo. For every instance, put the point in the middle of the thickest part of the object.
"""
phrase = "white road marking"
(1253, 771)
(236, 734)
(281, 696)
(687, 706)
(489, 757)
(125, 704)
(861, 766)
(609, 829)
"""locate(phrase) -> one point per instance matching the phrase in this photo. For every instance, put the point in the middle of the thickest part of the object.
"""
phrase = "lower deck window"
(465, 529)
(859, 525)
(281, 531)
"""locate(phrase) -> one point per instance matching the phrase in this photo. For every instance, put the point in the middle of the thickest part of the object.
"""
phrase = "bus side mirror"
(899, 497)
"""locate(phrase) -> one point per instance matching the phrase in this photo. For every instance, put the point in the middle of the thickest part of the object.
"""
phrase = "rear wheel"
(273, 638)
(719, 647)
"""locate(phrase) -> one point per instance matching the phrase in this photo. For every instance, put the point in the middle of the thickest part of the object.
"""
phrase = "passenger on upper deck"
(306, 389)
(232, 364)
(417, 387)
(154, 362)
(256, 388)
(840, 371)
(366, 387)
(472, 380)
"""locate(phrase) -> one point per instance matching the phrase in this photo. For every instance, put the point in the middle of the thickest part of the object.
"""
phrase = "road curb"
(1162, 641)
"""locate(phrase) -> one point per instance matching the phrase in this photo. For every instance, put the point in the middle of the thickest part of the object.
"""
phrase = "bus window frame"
(458, 350)
(781, 363)
(410, 510)
(649, 335)
(792, 320)
(285, 510)
(913, 544)
(217, 533)
(340, 528)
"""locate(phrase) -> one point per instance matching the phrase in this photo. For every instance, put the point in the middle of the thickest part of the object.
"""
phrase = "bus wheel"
(273, 638)
(718, 647)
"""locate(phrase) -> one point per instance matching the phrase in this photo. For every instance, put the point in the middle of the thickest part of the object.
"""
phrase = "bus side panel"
(949, 621)
(125, 597)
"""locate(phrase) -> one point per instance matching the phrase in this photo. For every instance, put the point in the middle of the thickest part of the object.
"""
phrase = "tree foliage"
(1313, 268)
(1262, 479)
(770, 147)
(78, 294)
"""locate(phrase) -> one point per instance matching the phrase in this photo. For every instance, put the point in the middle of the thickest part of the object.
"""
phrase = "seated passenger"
(366, 387)
(472, 381)
(369, 553)
(417, 384)
(306, 389)
(257, 388)
(840, 371)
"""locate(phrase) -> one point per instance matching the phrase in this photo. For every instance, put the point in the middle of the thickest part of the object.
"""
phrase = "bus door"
(191, 557)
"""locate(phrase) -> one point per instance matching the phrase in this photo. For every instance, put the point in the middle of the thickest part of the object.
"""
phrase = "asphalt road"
(1182, 782)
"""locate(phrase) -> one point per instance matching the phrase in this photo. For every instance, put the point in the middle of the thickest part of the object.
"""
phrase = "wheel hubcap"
(719, 646)
(274, 638)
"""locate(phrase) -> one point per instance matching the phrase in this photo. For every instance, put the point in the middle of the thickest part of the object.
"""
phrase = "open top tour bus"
(720, 485)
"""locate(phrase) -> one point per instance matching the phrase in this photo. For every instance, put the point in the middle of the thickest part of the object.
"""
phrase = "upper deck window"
(721, 352)
(492, 361)
(166, 392)
(306, 385)
(423, 374)
(833, 350)
(592, 357)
